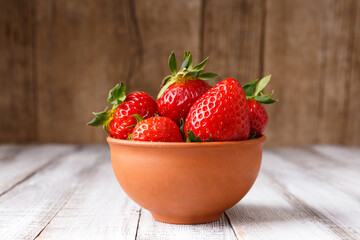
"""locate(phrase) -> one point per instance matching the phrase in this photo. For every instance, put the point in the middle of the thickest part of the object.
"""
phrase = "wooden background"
(58, 59)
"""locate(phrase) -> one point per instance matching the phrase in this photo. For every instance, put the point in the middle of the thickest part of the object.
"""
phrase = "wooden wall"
(58, 59)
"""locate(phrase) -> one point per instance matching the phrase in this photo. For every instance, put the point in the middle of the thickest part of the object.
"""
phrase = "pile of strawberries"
(188, 108)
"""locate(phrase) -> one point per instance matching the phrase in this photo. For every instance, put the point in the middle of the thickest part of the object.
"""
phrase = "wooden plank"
(83, 48)
(30, 206)
(159, 31)
(18, 166)
(340, 174)
(17, 101)
(342, 154)
(316, 42)
(293, 44)
(98, 209)
(340, 73)
(267, 213)
(151, 229)
(353, 102)
(232, 36)
(108, 42)
(333, 207)
(8, 151)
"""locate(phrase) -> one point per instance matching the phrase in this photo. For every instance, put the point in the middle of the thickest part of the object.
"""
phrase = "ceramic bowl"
(186, 183)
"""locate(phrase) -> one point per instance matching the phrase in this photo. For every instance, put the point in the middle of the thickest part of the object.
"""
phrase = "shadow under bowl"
(186, 183)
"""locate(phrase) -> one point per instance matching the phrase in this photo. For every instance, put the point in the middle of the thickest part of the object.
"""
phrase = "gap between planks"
(24, 173)
(299, 204)
(337, 209)
(33, 203)
(92, 167)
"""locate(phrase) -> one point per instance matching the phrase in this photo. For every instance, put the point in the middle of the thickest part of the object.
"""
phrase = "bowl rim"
(115, 141)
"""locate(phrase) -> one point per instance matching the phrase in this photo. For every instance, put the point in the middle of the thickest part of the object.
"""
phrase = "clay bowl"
(186, 183)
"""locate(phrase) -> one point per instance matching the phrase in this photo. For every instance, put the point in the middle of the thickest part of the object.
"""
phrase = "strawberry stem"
(187, 71)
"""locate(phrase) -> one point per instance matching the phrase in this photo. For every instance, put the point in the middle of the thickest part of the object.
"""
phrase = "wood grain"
(309, 48)
(163, 26)
(58, 59)
(292, 54)
(266, 213)
(30, 206)
(149, 229)
(22, 164)
(337, 172)
(17, 91)
(336, 209)
(301, 193)
(232, 37)
(339, 72)
(97, 202)
(77, 65)
(350, 155)
(8, 151)
(353, 102)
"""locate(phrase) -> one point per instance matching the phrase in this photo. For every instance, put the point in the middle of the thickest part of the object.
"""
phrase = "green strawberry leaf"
(201, 65)
(191, 137)
(168, 84)
(267, 95)
(173, 63)
(193, 74)
(106, 127)
(262, 84)
(207, 76)
(130, 136)
(166, 79)
(117, 95)
(138, 117)
(249, 88)
(263, 99)
(187, 60)
(182, 124)
(102, 119)
(252, 135)
(190, 61)
(210, 139)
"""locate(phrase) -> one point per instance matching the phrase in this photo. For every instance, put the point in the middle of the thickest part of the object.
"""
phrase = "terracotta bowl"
(186, 183)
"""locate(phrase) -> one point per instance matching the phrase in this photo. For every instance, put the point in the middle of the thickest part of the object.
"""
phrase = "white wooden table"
(70, 192)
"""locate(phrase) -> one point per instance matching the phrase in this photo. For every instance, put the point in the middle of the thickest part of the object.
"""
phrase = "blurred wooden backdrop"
(58, 59)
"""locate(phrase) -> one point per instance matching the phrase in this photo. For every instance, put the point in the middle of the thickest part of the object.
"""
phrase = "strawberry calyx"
(187, 71)
(191, 137)
(182, 125)
(254, 88)
(138, 117)
(117, 96)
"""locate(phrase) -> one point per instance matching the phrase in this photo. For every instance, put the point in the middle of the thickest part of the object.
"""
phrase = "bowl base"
(187, 219)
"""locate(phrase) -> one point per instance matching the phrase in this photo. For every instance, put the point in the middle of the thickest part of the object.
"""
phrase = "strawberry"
(157, 129)
(220, 114)
(258, 118)
(119, 122)
(257, 113)
(181, 89)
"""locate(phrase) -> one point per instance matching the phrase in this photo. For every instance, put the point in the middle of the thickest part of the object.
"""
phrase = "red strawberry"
(157, 129)
(257, 113)
(258, 117)
(119, 122)
(135, 103)
(221, 114)
(177, 100)
(182, 88)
